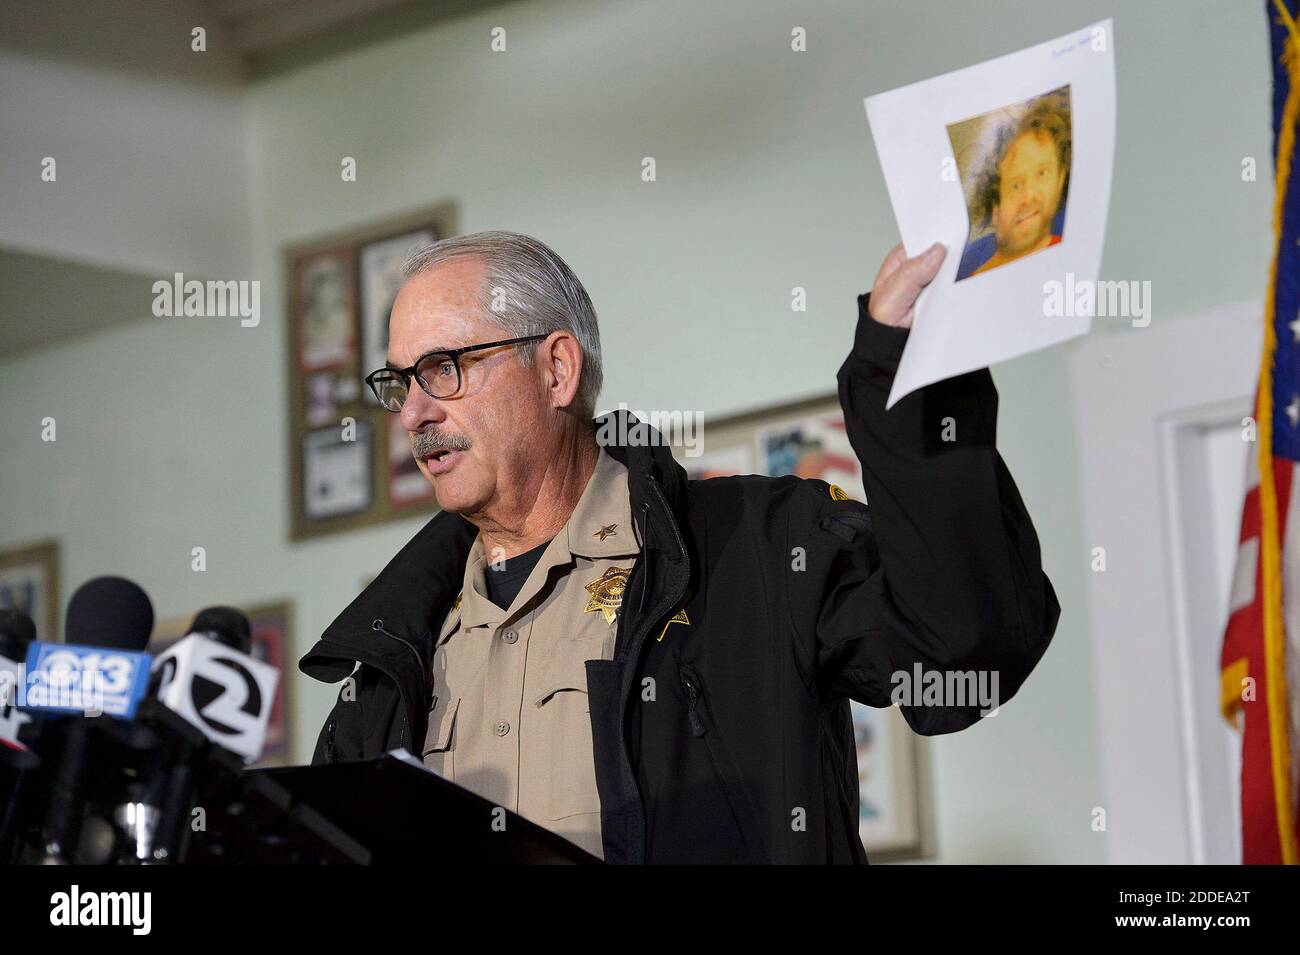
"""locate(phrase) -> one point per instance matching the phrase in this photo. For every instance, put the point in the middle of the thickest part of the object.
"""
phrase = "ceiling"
(275, 35)
(254, 26)
(45, 299)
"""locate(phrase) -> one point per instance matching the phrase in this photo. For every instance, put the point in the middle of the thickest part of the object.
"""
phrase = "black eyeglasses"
(438, 372)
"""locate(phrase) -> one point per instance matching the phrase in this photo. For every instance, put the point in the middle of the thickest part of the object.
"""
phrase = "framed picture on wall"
(381, 280)
(326, 294)
(349, 467)
(813, 445)
(337, 471)
(807, 438)
(723, 462)
(29, 582)
(889, 794)
(271, 625)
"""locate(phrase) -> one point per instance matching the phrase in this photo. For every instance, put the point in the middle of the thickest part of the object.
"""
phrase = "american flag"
(1260, 665)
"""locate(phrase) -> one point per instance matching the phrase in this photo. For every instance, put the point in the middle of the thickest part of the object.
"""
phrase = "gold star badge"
(606, 531)
(456, 605)
(678, 617)
(607, 592)
(838, 493)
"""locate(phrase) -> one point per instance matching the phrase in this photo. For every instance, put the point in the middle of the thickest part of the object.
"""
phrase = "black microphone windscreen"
(16, 632)
(109, 612)
(226, 625)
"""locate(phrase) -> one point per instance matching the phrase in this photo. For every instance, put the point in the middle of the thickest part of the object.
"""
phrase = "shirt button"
(510, 636)
(502, 727)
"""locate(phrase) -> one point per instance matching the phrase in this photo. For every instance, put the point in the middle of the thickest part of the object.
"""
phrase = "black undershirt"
(504, 584)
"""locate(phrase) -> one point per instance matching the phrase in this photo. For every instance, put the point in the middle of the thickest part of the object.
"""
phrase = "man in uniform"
(659, 669)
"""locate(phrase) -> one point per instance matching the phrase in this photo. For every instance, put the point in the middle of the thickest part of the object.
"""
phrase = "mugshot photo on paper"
(1014, 166)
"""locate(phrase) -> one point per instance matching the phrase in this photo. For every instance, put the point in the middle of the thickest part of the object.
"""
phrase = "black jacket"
(731, 739)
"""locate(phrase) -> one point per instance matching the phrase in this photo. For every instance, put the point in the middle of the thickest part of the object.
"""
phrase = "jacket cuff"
(875, 342)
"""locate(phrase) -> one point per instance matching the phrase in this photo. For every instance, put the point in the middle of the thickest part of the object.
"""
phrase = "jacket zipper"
(378, 626)
(641, 541)
(672, 524)
(681, 548)
(692, 704)
(746, 817)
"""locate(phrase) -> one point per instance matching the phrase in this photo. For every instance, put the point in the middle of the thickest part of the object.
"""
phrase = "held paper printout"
(1008, 164)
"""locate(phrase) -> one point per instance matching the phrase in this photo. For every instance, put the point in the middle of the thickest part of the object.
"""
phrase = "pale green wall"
(767, 179)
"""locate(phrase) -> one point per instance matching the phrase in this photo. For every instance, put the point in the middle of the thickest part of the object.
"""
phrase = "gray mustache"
(426, 442)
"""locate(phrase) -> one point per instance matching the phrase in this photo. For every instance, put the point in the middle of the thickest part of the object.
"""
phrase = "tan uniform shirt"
(509, 718)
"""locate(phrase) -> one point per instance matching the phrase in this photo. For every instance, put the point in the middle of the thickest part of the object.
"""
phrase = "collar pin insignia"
(679, 617)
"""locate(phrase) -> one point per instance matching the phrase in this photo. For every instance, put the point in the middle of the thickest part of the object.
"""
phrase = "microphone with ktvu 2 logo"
(208, 681)
(211, 680)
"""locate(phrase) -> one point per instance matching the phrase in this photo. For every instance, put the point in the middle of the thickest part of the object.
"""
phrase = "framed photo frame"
(893, 805)
(379, 277)
(808, 438)
(337, 472)
(341, 290)
(272, 637)
(324, 301)
(29, 582)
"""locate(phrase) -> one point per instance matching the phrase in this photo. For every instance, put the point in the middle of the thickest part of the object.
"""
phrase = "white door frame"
(1198, 605)
(1131, 390)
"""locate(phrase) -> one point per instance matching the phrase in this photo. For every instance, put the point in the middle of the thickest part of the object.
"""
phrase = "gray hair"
(527, 290)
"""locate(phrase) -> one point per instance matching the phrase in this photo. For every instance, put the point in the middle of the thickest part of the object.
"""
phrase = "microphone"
(226, 625)
(16, 632)
(225, 692)
(183, 685)
(105, 613)
(17, 761)
(109, 612)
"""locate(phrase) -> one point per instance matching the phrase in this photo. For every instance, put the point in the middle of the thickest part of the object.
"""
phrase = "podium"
(381, 811)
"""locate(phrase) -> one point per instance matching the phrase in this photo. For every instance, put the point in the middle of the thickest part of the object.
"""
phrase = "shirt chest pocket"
(561, 711)
(440, 738)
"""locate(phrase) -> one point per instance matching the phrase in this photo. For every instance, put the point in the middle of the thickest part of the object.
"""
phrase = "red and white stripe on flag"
(1245, 674)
